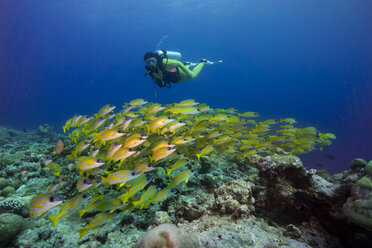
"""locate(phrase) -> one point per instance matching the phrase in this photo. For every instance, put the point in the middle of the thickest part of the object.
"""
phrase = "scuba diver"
(165, 67)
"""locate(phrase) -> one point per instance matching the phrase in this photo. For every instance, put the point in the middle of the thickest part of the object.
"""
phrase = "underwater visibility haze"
(309, 60)
(293, 92)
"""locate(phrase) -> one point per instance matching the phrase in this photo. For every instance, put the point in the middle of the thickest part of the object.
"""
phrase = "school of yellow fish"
(118, 150)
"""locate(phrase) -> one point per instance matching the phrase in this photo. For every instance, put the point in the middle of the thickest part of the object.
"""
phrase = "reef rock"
(358, 207)
(167, 236)
(10, 227)
(234, 198)
(3, 183)
(357, 164)
(45, 129)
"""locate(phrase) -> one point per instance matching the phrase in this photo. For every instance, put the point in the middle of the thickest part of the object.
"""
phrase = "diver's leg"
(197, 69)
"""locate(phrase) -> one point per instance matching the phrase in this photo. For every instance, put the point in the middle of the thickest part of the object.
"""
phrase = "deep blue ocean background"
(310, 60)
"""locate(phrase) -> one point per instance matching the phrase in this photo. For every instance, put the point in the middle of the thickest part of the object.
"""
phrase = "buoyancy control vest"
(159, 75)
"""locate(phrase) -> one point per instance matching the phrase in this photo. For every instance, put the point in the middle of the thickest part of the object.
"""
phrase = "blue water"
(310, 60)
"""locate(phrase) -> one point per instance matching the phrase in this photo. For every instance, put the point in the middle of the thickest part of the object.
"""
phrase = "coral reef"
(167, 235)
(358, 206)
(10, 226)
(257, 200)
(13, 205)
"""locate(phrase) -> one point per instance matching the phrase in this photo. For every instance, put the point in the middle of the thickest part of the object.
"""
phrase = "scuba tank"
(169, 54)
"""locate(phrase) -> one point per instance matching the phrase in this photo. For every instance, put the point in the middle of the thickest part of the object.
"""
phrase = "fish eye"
(117, 143)
(110, 105)
(85, 196)
(55, 182)
(99, 161)
(51, 199)
(133, 173)
(71, 161)
(184, 139)
(86, 143)
(48, 157)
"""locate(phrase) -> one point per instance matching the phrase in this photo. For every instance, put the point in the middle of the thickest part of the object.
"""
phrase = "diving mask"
(151, 64)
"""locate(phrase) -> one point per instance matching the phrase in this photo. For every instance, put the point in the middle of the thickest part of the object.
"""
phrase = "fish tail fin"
(198, 155)
(120, 185)
(171, 185)
(136, 203)
(81, 212)
(104, 180)
(169, 171)
(123, 198)
(74, 153)
(54, 219)
(83, 231)
(58, 174)
(146, 204)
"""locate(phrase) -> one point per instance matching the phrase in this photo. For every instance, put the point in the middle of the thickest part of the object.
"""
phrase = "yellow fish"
(161, 153)
(113, 147)
(176, 166)
(138, 102)
(208, 149)
(186, 103)
(161, 144)
(67, 207)
(180, 177)
(158, 123)
(108, 134)
(184, 110)
(155, 108)
(249, 114)
(105, 110)
(122, 154)
(42, 203)
(288, 120)
(99, 220)
(134, 140)
(86, 163)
